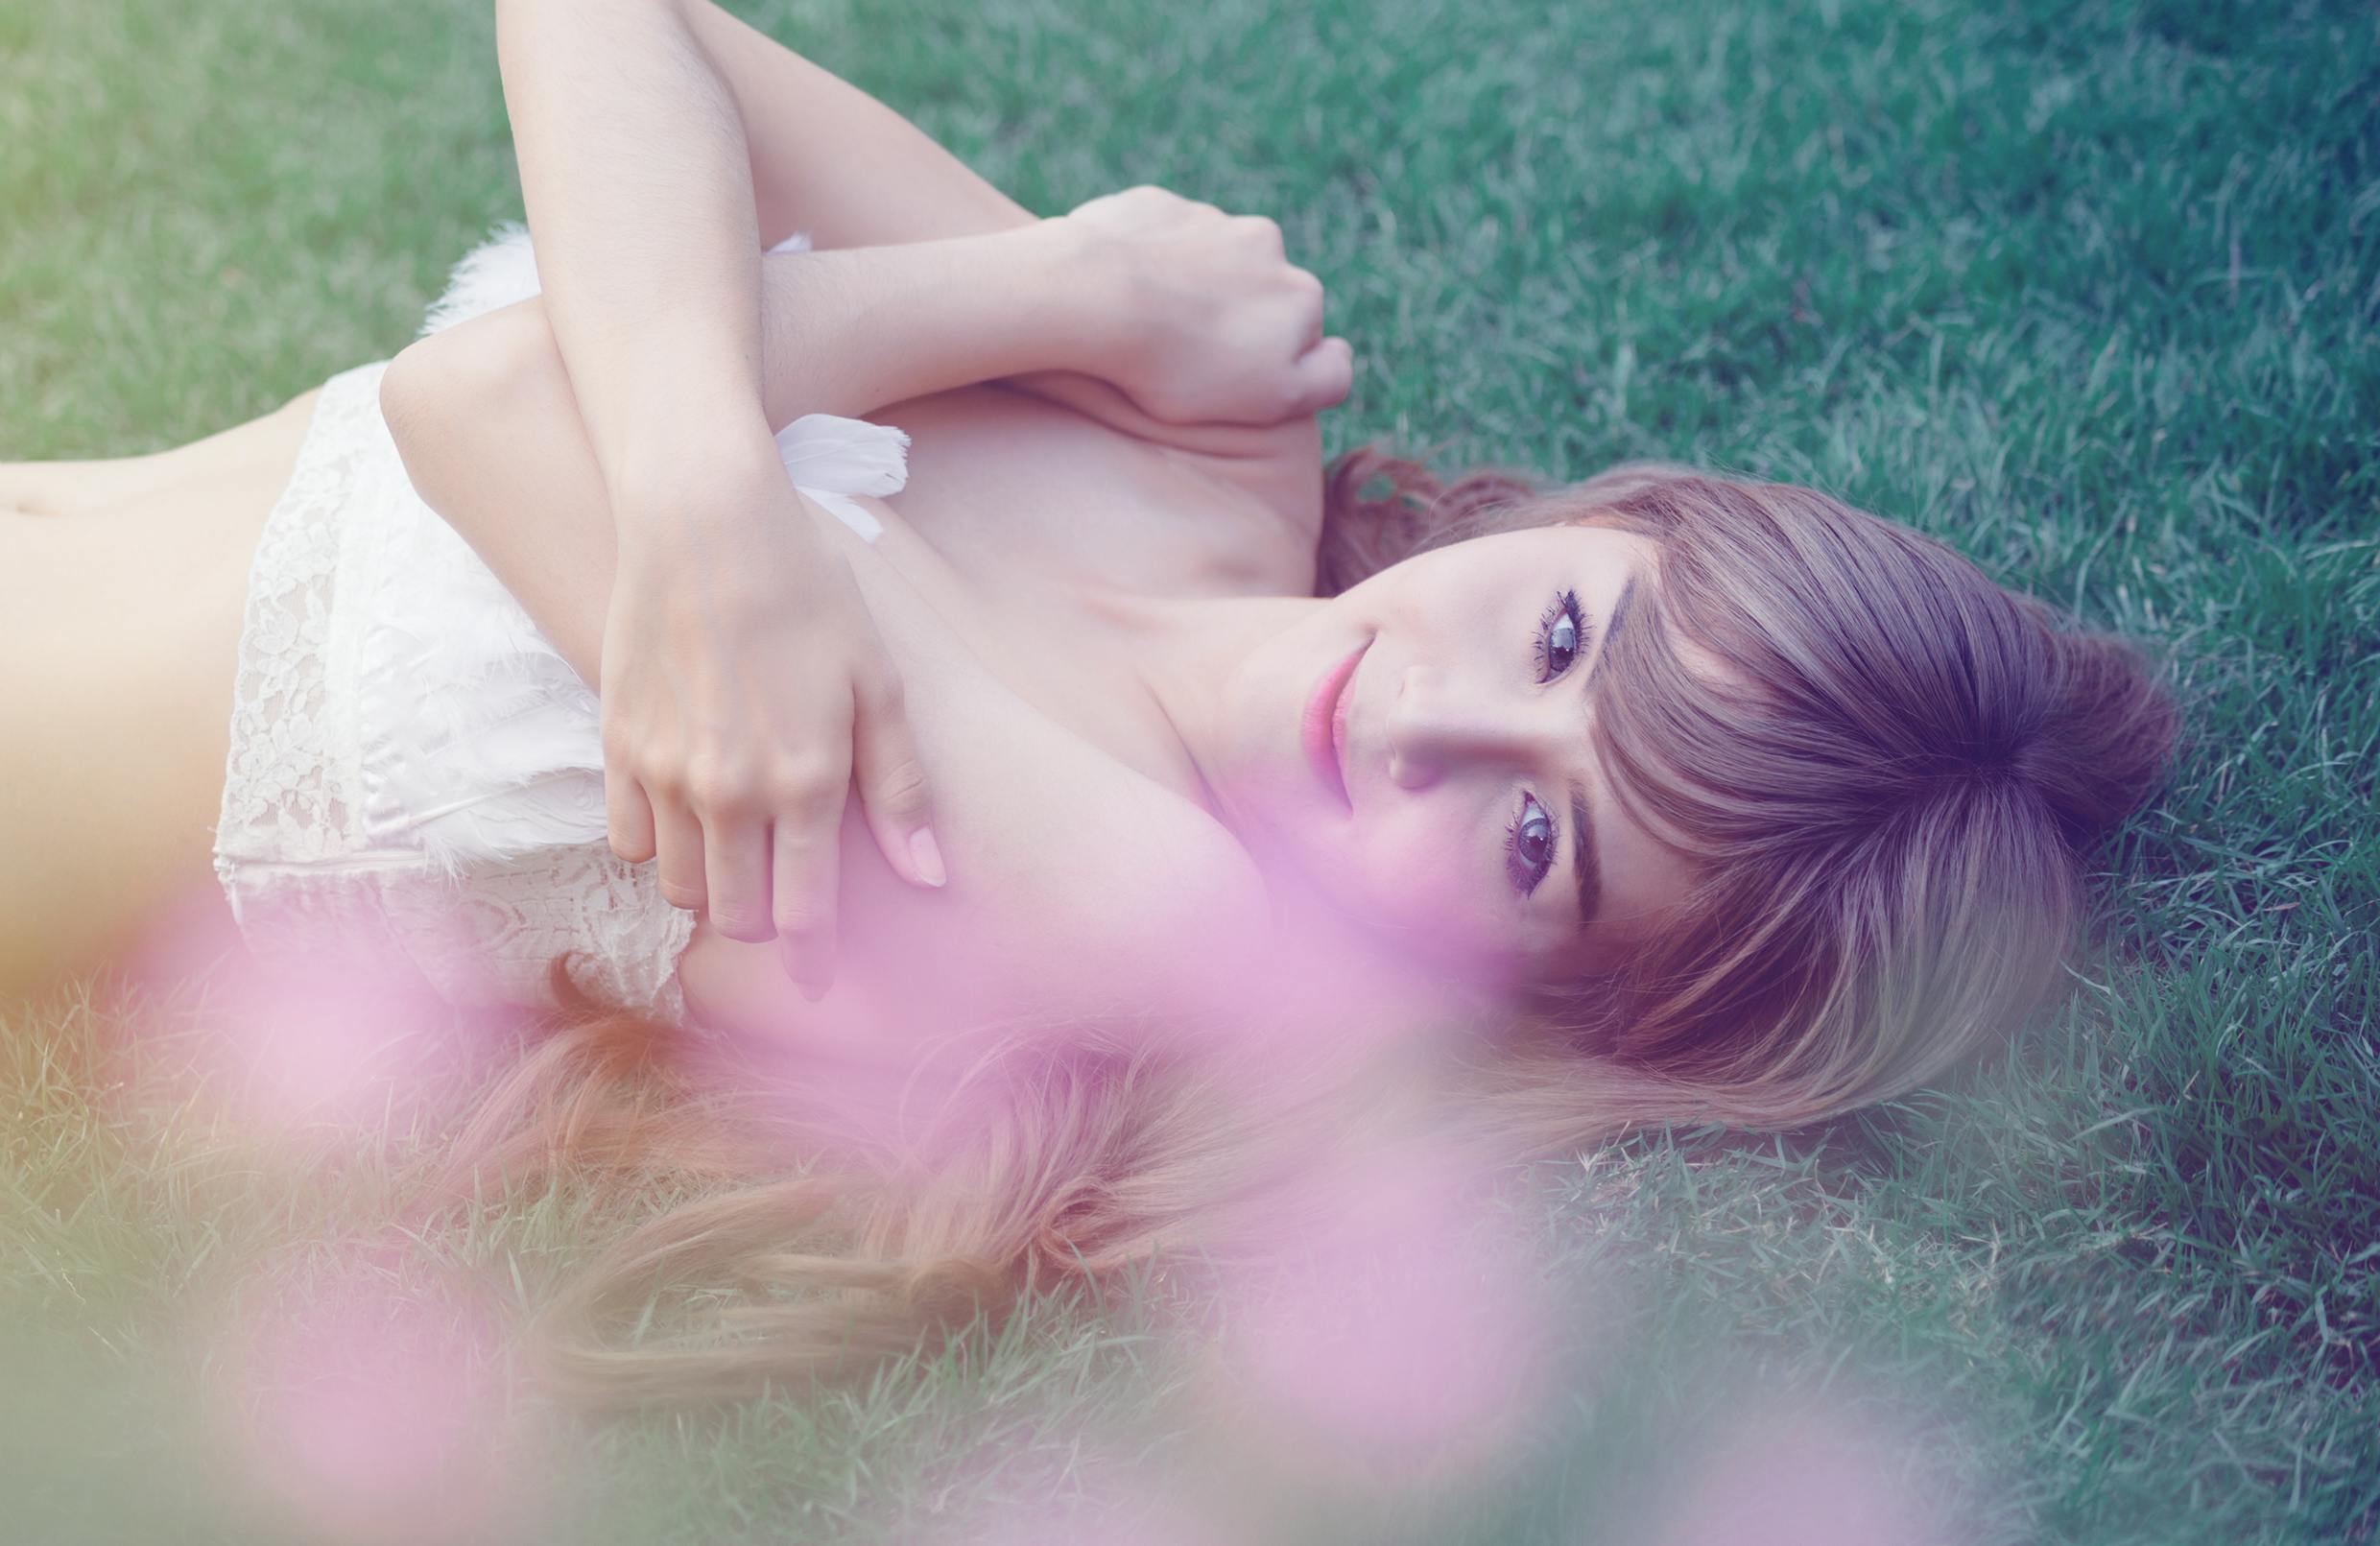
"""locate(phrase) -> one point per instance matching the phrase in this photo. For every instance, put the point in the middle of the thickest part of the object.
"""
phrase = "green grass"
(2090, 290)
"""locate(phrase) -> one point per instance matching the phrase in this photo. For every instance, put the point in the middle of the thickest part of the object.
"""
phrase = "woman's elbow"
(464, 383)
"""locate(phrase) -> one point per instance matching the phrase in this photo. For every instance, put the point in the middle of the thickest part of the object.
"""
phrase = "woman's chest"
(1023, 527)
(1087, 876)
(1085, 881)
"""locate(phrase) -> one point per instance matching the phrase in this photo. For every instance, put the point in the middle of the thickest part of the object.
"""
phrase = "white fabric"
(412, 764)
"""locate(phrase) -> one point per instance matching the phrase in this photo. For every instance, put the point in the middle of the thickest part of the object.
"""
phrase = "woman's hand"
(744, 687)
(1225, 329)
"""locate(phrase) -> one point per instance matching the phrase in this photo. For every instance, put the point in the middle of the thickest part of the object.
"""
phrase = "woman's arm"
(486, 419)
(842, 332)
(744, 691)
(854, 329)
(740, 683)
(829, 159)
(634, 171)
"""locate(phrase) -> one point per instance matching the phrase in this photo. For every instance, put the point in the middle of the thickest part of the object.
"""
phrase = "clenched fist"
(1228, 331)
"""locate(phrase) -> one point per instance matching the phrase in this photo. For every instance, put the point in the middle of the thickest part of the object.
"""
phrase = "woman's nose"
(1435, 727)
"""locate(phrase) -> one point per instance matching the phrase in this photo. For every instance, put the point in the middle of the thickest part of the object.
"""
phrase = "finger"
(678, 837)
(1324, 375)
(894, 795)
(1310, 310)
(627, 817)
(804, 884)
(735, 875)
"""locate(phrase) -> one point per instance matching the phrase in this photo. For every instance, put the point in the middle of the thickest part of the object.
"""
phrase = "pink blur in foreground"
(1394, 1335)
(366, 1402)
(347, 1035)
(1805, 1473)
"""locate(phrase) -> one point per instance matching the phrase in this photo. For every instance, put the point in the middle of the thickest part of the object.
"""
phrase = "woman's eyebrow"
(1583, 863)
(1610, 629)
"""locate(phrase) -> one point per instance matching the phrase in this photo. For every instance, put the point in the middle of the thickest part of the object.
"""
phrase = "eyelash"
(1526, 875)
(1565, 606)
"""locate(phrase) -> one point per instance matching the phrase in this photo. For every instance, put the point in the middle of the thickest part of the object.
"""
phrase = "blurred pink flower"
(368, 1409)
(1805, 1474)
(1399, 1334)
(345, 1035)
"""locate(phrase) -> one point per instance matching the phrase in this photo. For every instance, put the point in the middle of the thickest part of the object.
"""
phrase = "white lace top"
(412, 765)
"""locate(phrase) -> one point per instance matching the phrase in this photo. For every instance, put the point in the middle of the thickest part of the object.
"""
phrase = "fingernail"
(804, 975)
(927, 857)
(807, 976)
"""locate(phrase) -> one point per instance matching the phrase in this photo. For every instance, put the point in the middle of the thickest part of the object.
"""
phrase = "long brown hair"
(1883, 768)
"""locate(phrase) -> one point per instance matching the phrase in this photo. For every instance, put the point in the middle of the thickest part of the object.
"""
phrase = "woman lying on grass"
(1657, 796)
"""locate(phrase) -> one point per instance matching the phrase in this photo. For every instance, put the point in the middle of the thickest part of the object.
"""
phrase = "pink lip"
(1324, 729)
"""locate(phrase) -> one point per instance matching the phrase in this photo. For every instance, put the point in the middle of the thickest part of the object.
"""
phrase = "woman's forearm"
(525, 492)
(636, 179)
(855, 329)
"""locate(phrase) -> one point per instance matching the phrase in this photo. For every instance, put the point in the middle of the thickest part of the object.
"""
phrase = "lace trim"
(302, 863)
(311, 847)
(287, 797)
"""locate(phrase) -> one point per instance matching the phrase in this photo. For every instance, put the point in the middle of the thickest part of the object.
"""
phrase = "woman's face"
(1416, 750)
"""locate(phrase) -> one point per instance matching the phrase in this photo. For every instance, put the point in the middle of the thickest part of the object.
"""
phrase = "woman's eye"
(1561, 632)
(1529, 845)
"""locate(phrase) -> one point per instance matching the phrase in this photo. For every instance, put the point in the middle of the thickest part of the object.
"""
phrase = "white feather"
(844, 456)
(497, 272)
(829, 458)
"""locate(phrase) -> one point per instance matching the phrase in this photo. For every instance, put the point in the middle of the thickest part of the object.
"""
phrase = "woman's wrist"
(693, 456)
(1093, 277)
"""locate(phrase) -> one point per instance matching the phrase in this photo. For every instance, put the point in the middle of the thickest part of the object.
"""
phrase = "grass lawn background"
(2090, 290)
